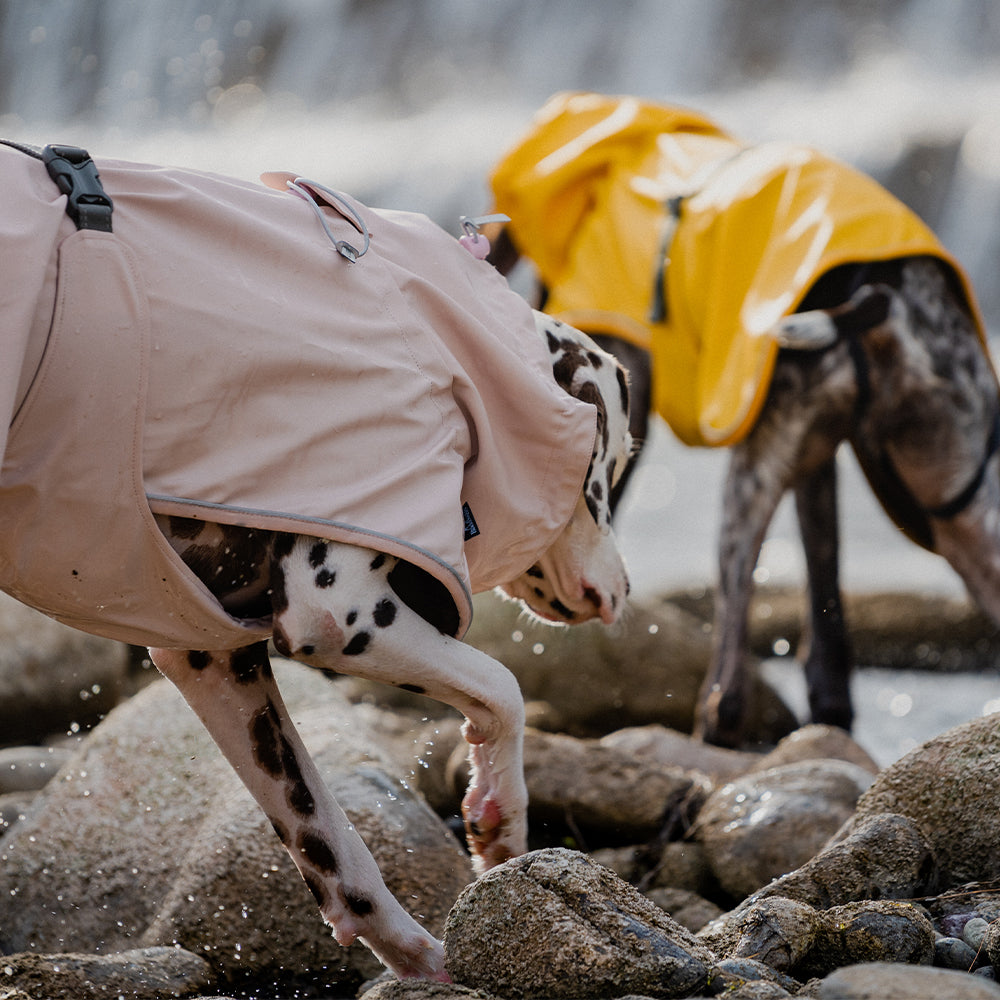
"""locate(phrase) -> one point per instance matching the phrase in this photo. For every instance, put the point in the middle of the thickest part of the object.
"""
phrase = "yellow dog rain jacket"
(215, 357)
(589, 191)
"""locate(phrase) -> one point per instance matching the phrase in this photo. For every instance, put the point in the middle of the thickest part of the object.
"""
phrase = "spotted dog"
(234, 412)
(351, 610)
(685, 253)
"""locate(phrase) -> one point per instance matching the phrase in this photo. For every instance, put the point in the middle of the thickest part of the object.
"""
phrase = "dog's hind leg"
(236, 697)
(828, 658)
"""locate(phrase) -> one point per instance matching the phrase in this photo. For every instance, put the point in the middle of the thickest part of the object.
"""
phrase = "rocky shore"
(134, 864)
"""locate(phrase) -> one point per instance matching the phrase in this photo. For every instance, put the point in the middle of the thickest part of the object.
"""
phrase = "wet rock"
(412, 989)
(991, 944)
(579, 931)
(939, 787)
(597, 679)
(149, 837)
(778, 932)
(141, 974)
(53, 677)
(870, 931)
(747, 977)
(892, 981)
(602, 789)
(667, 746)
(767, 823)
(816, 742)
(13, 808)
(688, 908)
(885, 858)
(954, 953)
(29, 768)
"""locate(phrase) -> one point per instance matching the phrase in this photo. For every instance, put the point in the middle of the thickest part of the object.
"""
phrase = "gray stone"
(554, 924)
(954, 953)
(940, 787)
(767, 823)
(140, 974)
(29, 768)
(149, 837)
(892, 981)
(52, 677)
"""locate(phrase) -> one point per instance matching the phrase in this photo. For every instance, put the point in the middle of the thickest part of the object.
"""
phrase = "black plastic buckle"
(75, 174)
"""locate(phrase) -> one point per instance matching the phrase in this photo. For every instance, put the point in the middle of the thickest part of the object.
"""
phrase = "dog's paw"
(807, 331)
(494, 810)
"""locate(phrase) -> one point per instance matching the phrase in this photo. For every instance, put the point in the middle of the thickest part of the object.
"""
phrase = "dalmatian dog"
(351, 610)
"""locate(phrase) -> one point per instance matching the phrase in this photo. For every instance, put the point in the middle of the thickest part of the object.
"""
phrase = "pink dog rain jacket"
(216, 358)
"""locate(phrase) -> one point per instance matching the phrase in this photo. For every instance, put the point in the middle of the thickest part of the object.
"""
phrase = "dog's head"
(582, 575)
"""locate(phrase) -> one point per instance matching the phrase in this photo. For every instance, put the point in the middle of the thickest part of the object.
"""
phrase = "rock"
(954, 953)
(53, 677)
(746, 977)
(991, 944)
(884, 858)
(776, 931)
(413, 989)
(870, 931)
(940, 786)
(554, 924)
(602, 789)
(667, 746)
(27, 769)
(14, 807)
(645, 670)
(141, 974)
(891, 981)
(816, 742)
(148, 837)
(767, 823)
(688, 908)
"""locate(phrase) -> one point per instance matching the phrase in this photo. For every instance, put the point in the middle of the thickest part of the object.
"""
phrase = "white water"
(407, 103)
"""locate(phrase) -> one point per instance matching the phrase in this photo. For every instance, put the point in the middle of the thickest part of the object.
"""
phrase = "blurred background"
(407, 103)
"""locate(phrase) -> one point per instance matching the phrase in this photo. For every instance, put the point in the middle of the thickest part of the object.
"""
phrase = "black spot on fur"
(538, 592)
(596, 490)
(352, 617)
(281, 831)
(415, 688)
(316, 887)
(318, 852)
(283, 544)
(360, 906)
(301, 799)
(536, 572)
(279, 595)
(378, 562)
(187, 528)
(385, 613)
(264, 731)
(622, 387)
(560, 609)
(325, 578)
(250, 663)
(198, 659)
(317, 554)
(358, 644)
(426, 595)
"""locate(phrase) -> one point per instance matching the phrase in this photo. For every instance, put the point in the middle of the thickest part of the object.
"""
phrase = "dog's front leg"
(343, 614)
(236, 697)
(828, 659)
(750, 495)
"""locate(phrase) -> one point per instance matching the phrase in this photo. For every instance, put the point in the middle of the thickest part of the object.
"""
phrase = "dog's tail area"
(818, 329)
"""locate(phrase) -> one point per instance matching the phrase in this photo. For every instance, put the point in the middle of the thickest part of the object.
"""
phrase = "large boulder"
(147, 837)
(555, 924)
(947, 787)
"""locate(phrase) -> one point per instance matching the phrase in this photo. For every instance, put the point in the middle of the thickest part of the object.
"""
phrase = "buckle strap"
(76, 176)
